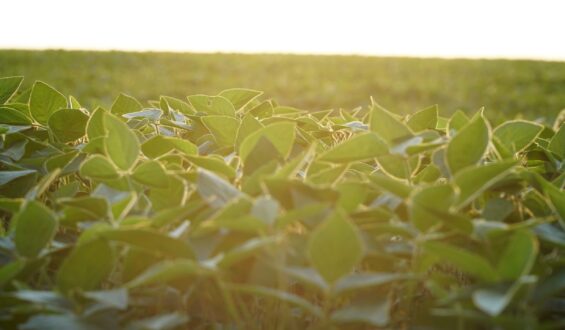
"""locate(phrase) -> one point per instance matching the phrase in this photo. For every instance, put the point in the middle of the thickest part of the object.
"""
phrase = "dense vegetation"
(402, 85)
(229, 211)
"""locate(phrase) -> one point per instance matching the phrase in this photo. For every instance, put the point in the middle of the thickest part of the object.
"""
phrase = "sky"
(422, 28)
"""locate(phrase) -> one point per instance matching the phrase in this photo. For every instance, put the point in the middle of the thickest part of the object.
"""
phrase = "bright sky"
(446, 28)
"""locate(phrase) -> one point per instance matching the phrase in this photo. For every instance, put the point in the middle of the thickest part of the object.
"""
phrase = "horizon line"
(290, 53)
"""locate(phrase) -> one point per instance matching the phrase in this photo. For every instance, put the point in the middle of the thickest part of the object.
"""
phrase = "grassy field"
(507, 89)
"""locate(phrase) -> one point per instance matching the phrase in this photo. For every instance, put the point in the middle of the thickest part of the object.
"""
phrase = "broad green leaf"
(44, 101)
(424, 202)
(68, 124)
(95, 125)
(99, 168)
(174, 195)
(35, 226)
(557, 144)
(387, 126)
(168, 270)
(281, 135)
(8, 87)
(86, 266)
(116, 298)
(57, 321)
(212, 105)
(552, 285)
(168, 321)
(265, 209)
(224, 128)
(518, 256)
(240, 97)
(11, 116)
(457, 121)
(121, 144)
(248, 125)
(468, 146)
(8, 176)
(335, 247)
(423, 119)
(474, 180)
(360, 147)
(374, 311)
(388, 184)
(151, 114)
(517, 135)
(152, 241)
(213, 164)
(160, 145)
(366, 281)
(10, 270)
(125, 104)
(467, 261)
(494, 300)
(246, 250)
(215, 190)
(151, 173)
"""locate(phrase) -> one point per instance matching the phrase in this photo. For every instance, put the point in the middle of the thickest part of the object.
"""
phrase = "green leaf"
(215, 190)
(281, 135)
(212, 105)
(87, 266)
(151, 173)
(9, 176)
(248, 125)
(366, 281)
(457, 121)
(517, 135)
(335, 247)
(240, 97)
(246, 250)
(125, 104)
(68, 124)
(8, 87)
(360, 147)
(518, 256)
(557, 143)
(388, 184)
(387, 126)
(44, 101)
(494, 300)
(468, 146)
(121, 144)
(161, 321)
(224, 128)
(424, 119)
(424, 202)
(474, 180)
(160, 145)
(98, 167)
(10, 270)
(374, 311)
(166, 271)
(150, 240)
(116, 298)
(265, 209)
(469, 262)
(35, 226)
(11, 116)
(95, 125)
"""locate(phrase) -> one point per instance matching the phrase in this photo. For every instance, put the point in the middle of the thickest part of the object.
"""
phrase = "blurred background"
(504, 55)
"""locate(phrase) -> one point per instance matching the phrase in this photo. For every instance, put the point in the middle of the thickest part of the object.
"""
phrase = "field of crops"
(402, 85)
(232, 211)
